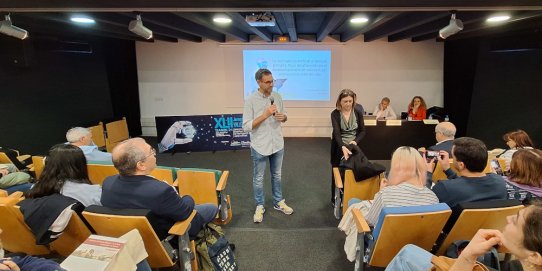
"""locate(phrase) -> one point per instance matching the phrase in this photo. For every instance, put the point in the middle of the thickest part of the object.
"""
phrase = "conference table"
(381, 140)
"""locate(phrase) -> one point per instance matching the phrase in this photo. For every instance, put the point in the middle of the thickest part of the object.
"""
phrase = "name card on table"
(370, 122)
(393, 122)
(428, 121)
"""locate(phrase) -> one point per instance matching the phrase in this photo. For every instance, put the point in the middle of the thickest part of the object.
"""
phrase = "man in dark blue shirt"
(469, 159)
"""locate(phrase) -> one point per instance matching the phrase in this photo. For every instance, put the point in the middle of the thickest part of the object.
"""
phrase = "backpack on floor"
(214, 252)
(489, 259)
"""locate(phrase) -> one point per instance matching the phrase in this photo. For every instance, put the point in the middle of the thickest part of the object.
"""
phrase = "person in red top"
(417, 108)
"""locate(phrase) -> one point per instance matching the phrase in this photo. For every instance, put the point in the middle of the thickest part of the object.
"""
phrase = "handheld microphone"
(272, 101)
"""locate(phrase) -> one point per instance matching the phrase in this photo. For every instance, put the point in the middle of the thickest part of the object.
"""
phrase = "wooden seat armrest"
(3, 193)
(181, 227)
(23, 157)
(337, 177)
(223, 180)
(361, 223)
(175, 183)
(16, 195)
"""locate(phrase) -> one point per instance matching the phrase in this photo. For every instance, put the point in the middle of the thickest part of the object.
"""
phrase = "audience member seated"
(404, 187)
(516, 140)
(14, 157)
(133, 188)
(384, 111)
(417, 108)
(525, 178)
(26, 263)
(82, 138)
(520, 236)
(65, 173)
(470, 160)
(444, 134)
(10, 177)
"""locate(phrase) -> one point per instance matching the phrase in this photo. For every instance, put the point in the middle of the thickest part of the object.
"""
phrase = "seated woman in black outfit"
(348, 128)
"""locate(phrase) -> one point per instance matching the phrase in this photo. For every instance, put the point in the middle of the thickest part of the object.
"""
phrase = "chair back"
(4, 159)
(98, 134)
(39, 164)
(364, 190)
(478, 215)
(116, 225)
(199, 184)
(117, 131)
(98, 172)
(163, 174)
(16, 235)
(398, 226)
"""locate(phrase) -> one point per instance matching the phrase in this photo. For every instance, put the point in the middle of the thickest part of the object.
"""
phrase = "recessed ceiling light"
(500, 18)
(359, 19)
(82, 20)
(221, 19)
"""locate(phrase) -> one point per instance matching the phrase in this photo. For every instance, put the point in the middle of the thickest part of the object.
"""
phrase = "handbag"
(441, 263)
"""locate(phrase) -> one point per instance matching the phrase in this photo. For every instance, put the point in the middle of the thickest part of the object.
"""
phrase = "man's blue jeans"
(259, 163)
(411, 258)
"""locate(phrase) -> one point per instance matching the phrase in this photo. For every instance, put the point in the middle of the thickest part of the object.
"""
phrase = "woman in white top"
(516, 140)
(65, 172)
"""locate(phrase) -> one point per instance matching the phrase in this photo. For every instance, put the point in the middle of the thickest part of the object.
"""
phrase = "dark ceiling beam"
(330, 23)
(431, 27)
(287, 20)
(171, 21)
(250, 5)
(206, 21)
(260, 31)
(352, 32)
(122, 20)
(424, 37)
(53, 28)
(401, 23)
(161, 37)
(525, 21)
(57, 23)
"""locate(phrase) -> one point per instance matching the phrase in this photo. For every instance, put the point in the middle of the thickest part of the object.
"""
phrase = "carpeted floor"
(306, 240)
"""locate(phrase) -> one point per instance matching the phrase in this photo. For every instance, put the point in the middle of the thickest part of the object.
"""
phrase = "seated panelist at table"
(417, 108)
(384, 110)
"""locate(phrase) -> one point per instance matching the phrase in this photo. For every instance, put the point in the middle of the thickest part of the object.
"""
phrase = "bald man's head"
(446, 130)
(130, 157)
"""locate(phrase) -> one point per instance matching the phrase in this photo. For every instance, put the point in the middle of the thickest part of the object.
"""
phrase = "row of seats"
(205, 186)
(19, 238)
(366, 189)
(432, 227)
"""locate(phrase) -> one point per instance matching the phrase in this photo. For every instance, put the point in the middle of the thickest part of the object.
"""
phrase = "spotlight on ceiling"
(359, 19)
(221, 19)
(498, 18)
(455, 26)
(7, 28)
(137, 27)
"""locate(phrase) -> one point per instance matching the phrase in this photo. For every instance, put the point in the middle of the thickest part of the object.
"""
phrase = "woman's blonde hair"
(407, 165)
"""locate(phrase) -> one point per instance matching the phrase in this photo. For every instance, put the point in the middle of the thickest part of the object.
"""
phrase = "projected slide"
(299, 75)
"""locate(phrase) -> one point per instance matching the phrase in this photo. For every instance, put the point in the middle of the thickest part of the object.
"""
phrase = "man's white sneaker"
(281, 206)
(258, 215)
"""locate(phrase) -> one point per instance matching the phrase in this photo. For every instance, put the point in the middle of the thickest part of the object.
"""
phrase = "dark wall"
(493, 89)
(53, 89)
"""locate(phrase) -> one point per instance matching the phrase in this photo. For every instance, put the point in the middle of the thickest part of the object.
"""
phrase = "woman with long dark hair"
(65, 172)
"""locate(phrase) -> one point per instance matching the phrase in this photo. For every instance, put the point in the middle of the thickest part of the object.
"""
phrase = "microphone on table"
(272, 102)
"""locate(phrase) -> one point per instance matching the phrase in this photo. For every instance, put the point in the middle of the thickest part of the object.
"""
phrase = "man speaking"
(262, 117)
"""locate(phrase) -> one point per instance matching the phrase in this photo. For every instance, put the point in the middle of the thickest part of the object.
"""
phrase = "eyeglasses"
(268, 82)
(153, 152)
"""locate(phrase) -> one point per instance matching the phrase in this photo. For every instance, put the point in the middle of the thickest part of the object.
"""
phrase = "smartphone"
(431, 154)
(496, 166)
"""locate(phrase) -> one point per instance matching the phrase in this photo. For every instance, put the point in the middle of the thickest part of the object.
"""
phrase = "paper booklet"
(101, 253)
